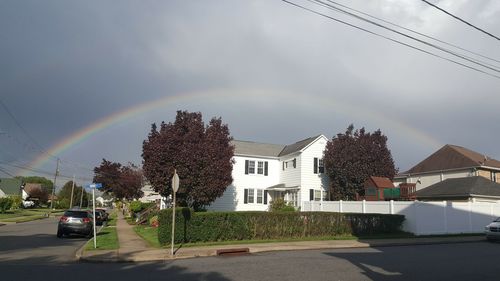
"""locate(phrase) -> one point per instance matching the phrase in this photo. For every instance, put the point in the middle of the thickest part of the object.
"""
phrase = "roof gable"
(451, 157)
(461, 187)
(299, 146)
(10, 186)
(379, 182)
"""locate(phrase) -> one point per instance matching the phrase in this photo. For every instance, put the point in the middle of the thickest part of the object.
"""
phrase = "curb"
(208, 253)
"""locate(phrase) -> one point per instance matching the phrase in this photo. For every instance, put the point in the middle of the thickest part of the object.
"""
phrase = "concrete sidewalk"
(134, 249)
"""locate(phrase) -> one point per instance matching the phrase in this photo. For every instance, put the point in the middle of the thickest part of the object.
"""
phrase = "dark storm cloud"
(64, 65)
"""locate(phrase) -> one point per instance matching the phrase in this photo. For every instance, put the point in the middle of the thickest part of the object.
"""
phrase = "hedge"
(230, 226)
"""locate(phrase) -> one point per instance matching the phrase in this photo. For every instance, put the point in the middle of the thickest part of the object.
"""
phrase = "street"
(31, 251)
(36, 242)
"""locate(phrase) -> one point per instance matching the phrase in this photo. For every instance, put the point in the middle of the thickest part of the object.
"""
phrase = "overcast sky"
(274, 73)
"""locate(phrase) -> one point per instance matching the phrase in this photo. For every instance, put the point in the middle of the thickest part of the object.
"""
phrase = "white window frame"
(317, 195)
(251, 167)
(321, 166)
(260, 167)
(251, 194)
(259, 195)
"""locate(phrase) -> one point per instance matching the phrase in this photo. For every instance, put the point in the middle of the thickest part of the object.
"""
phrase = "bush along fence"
(192, 227)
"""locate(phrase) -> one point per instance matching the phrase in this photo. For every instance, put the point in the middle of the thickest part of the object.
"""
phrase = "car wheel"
(90, 234)
(59, 233)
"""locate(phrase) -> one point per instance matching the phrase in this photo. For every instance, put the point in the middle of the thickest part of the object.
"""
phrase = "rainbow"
(226, 95)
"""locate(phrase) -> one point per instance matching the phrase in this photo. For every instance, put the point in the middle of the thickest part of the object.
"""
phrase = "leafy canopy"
(350, 158)
(202, 156)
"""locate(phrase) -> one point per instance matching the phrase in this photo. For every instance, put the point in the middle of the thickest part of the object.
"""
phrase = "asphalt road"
(468, 262)
(36, 242)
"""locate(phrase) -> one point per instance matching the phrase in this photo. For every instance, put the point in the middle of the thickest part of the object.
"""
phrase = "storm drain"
(232, 252)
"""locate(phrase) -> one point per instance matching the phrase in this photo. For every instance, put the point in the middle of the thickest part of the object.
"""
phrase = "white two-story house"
(263, 172)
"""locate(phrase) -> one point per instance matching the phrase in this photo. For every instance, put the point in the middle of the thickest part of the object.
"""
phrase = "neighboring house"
(10, 187)
(476, 188)
(449, 162)
(264, 172)
(149, 195)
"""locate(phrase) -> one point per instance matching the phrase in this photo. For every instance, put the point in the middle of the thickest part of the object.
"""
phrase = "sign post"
(175, 187)
(94, 186)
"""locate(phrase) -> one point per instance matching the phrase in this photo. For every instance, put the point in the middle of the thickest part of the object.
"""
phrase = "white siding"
(233, 197)
(432, 178)
(290, 176)
(310, 180)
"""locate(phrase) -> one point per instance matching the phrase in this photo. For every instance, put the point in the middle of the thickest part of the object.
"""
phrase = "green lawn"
(107, 239)
(23, 215)
(149, 234)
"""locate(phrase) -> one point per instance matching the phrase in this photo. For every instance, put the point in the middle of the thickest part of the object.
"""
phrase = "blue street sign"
(95, 185)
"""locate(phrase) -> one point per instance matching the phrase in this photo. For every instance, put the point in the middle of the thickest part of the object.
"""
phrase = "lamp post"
(175, 187)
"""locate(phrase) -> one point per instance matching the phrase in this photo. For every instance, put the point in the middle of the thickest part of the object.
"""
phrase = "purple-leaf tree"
(352, 157)
(202, 156)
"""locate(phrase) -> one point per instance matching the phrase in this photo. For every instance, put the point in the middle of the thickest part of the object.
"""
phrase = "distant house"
(449, 162)
(476, 188)
(264, 172)
(10, 186)
(149, 195)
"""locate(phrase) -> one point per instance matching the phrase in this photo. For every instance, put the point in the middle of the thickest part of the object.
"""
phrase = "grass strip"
(150, 235)
(107, 239)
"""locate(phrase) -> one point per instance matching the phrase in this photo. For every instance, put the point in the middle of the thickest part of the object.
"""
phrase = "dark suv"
(77, 222)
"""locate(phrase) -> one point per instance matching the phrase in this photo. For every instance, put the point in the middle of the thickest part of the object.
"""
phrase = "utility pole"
(72, 189)
(54, 186)
(81, 197)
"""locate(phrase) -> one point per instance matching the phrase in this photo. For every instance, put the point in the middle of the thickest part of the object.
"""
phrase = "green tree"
(350, 158)
(64, 196)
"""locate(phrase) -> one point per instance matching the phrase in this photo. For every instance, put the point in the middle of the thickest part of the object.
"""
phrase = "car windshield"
(497, 220)
(76, 214)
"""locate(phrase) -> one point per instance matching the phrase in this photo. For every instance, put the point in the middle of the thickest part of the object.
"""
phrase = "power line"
(391, 39)
(469, 59)
(416, 32)
(462, 20)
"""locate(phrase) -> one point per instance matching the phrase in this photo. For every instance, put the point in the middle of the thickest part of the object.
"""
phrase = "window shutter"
(266, 167)
(315, 165)
(265, 196)
(283, 165)
(245, 200)
(246, 167)
(295, 162)
(311, 194)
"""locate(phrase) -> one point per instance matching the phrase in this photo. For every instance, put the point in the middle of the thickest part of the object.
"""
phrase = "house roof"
(30, 187)
(270, 150)
(298, 146)
(255, 148)
(10, 186)
(461, 187)
(381, 182)
(451, 157)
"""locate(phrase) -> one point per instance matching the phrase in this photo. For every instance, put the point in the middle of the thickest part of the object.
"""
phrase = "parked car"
(492, 230)
(104, 214)
(75, 222)
(100, 217)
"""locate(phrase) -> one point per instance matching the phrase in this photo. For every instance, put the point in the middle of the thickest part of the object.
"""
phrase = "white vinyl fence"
(422, 218)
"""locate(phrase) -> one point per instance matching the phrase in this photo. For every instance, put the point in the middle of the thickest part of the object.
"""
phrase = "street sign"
(175, 181)
(95, 185)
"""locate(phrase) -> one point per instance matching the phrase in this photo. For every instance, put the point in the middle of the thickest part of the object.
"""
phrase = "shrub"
(17, 201)
(153, 221)
(5, 204)
(135, 206)
(227, 226)
(279, 205)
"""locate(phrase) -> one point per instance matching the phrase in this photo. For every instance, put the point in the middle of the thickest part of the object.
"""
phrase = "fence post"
(392, 207)
(340, 206)
(470, 216)
(445, 217)
(415, 211)
(364, 206)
